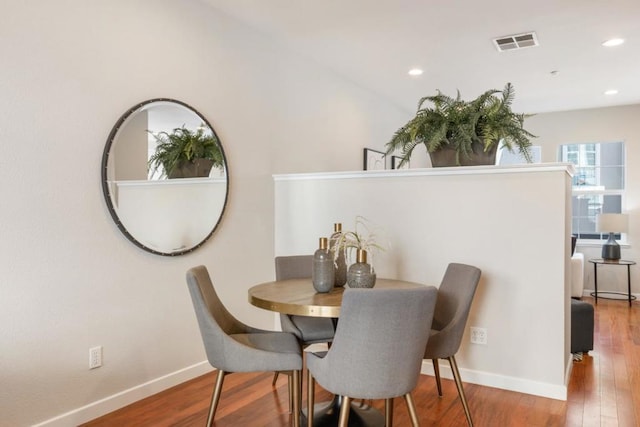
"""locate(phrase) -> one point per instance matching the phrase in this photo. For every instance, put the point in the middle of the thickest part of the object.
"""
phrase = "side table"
(600, 261)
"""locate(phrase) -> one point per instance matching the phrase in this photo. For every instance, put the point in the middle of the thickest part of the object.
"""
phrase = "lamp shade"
(612, 223)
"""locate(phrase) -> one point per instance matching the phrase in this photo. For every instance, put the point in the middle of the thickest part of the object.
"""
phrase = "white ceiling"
(375, 42)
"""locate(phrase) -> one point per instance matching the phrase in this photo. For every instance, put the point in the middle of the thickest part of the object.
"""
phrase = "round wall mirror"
(164, 177)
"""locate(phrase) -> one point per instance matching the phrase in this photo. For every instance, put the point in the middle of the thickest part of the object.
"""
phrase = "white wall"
(130, 163)
(68, 279)
(600, 125)
(512, 223)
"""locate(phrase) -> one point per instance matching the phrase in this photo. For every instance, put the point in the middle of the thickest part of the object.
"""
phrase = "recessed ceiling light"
(611, 92)
(415, 72)
(613, 42)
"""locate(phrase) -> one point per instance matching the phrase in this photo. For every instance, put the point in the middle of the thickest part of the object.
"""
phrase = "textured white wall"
(600, 125)
(68, 279)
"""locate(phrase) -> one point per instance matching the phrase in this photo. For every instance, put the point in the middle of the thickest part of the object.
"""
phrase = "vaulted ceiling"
(374, 43)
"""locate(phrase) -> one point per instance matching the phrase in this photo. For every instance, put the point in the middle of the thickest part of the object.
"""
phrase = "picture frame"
(373, 160)
(395, 163)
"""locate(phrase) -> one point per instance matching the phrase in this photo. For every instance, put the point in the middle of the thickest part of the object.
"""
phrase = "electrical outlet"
(95, 357)
(478, 335)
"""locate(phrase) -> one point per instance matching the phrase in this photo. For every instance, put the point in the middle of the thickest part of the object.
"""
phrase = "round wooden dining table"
(298, 297)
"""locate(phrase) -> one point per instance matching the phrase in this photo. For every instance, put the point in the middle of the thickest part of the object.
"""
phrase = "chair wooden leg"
(290, 388)
(463, 398)
(215, 397)
(388, 412)
(296, 380)
(411, 406)
(300, 389)
(311, 382)
(344, 412)
(436, 371)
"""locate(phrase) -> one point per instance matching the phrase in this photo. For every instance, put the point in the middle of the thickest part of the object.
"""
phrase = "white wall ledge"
(166, 182)
(460, 170)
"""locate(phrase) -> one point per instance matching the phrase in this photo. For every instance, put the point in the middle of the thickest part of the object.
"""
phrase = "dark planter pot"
(446, 156)
(197, 168)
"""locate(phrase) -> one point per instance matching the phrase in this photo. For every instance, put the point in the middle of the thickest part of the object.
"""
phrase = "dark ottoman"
(581, 326)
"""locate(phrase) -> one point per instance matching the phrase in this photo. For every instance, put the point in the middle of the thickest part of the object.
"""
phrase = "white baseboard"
(567, 373)
(520, 385)
(126, 397)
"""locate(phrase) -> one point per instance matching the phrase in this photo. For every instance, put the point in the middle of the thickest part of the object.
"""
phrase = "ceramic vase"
(361, 274)
(323, 272)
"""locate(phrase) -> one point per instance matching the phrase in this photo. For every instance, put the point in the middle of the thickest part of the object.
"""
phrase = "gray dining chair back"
(377, 349)
(232, 346)
(308, 330)
(455, 296)
(211, 312)
(293, 267)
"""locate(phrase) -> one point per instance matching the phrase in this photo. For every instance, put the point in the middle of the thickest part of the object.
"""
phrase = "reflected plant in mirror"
(185, 153)
(150, 145)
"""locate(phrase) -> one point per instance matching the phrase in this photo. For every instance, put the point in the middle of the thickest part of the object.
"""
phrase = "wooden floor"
(604, 390)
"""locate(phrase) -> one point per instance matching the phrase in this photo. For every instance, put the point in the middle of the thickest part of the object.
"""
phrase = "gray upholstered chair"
(452, 310)
(308, 330)
(377, 349)
(232, 346)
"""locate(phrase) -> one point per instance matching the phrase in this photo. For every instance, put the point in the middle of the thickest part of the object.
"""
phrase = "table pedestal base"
(328, 414)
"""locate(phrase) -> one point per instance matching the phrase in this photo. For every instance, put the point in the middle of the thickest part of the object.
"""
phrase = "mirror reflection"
(165, 177)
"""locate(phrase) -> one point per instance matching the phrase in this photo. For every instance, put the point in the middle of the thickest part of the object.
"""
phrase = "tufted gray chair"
(232, 346)
(377, 349)
(455, 296)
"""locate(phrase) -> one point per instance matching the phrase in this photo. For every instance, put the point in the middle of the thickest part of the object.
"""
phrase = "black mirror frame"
(105, 187)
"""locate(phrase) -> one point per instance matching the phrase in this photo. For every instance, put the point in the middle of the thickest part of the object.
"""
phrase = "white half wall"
(511, 222)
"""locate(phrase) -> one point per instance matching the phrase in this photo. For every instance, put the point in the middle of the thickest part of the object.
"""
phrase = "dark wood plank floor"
(604, 390)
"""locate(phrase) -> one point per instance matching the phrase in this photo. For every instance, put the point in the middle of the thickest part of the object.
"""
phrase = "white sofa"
(577, 275)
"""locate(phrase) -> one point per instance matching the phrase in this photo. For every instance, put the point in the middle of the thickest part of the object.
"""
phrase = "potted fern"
(464, 133)
(185, 153)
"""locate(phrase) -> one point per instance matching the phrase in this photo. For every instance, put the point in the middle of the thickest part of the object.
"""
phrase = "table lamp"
(612, 223)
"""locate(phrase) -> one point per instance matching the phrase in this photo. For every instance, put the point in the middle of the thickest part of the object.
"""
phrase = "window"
(598, 184)
(506, 157)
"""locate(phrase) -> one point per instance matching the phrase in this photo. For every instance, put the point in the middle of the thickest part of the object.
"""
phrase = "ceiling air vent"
(516, 41)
